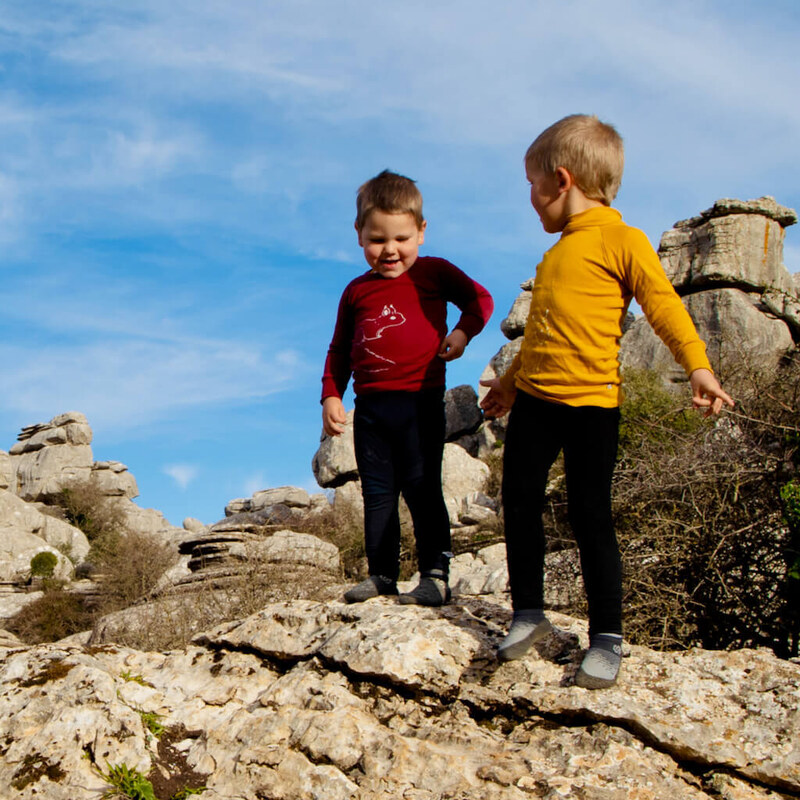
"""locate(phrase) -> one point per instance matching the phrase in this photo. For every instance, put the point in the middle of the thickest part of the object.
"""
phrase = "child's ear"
(565, 179)
(421, 232)
(358, 231)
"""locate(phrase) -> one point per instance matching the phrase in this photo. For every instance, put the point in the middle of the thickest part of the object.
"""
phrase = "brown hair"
(391, 193)
(590, 150)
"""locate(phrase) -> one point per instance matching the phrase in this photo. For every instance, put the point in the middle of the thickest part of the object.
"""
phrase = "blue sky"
(177, 185)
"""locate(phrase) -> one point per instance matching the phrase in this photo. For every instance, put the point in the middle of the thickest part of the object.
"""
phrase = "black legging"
(588, 435)
(399, 441)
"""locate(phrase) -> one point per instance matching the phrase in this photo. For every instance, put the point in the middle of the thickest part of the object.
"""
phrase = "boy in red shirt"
(391, 335)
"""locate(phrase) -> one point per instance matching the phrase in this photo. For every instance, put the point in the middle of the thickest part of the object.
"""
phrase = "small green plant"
(43, 564)
(790, 498)
(128, 676)
(151, 721)
(184, 793)
(127, 784)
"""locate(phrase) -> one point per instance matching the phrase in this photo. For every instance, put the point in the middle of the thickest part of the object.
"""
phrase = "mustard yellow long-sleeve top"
(581, 294)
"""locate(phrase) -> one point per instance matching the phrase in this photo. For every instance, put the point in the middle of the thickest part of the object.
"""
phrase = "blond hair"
(590, 150)
(391, 193)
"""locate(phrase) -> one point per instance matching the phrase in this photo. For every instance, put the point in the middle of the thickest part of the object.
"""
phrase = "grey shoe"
(600, 665)
(373, 586)
(428, 592)
(526, 629)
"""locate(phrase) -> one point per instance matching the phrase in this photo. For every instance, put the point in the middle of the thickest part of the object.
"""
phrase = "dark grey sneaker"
(373, 586)
(525, 631)
(428, 592)
(601, 663)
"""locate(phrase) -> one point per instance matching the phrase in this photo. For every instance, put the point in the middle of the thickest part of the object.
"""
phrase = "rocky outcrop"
(49, 457)
(26, 531)
(727, 263)
(305, 700)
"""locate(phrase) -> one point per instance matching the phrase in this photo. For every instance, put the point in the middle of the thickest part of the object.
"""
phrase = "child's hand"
(498, 401)
(333, 416)
(707, 393)
(453, 345)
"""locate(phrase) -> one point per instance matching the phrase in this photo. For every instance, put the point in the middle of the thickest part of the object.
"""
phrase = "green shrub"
(127, 784)
(44, 564)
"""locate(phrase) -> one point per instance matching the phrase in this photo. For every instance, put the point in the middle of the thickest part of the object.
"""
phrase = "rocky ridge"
(309, 700)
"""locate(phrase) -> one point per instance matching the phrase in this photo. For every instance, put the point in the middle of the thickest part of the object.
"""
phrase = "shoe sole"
(410, 600)
(518, 649)
(586, 681)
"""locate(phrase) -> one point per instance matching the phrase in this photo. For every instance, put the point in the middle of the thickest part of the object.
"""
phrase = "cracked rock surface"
(378, 700)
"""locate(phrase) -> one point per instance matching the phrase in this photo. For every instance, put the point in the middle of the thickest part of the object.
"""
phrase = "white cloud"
(182, 474)
(125, 384)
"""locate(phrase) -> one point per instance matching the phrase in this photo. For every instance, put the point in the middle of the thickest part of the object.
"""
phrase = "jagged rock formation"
(305, 700)
(727, 264)
(47, 459)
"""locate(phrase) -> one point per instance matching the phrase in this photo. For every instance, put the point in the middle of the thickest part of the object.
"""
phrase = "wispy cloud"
(121, 385)
(182, 474)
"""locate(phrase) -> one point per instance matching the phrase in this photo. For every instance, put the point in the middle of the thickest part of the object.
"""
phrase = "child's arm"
(336, 373)
(333, 416)
(472, 299)
(707, 393)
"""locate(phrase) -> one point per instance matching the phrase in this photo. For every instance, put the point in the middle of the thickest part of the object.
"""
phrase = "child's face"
(546, 199)
(391, 242)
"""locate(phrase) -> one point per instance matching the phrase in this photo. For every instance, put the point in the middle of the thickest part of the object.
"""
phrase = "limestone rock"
(42, 473)
(347, 499)
(71, 428)
(462, 474)
(12, 602)
(149, 521)
(745, 251)
(514, 324)
(289, 496)
(335, 461)
(19, 517)
(462, 414)
(299, 548)
(311, 700)
(17, 548)
(763, 206)
(730, 323)
(6, 471)
(113, 479)
(238, 506)
(193, 525)
(65, 537)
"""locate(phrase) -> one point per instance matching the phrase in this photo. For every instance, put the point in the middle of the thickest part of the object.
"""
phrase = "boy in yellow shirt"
(563, 388)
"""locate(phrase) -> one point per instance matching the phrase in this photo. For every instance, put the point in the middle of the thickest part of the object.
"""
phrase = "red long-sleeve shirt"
(389, 330)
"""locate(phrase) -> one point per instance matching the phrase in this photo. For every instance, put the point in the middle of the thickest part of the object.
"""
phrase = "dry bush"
(706, 545)
(345, 529)
(130, 566)
(97, 515)
(53, 616)
(171, 621)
